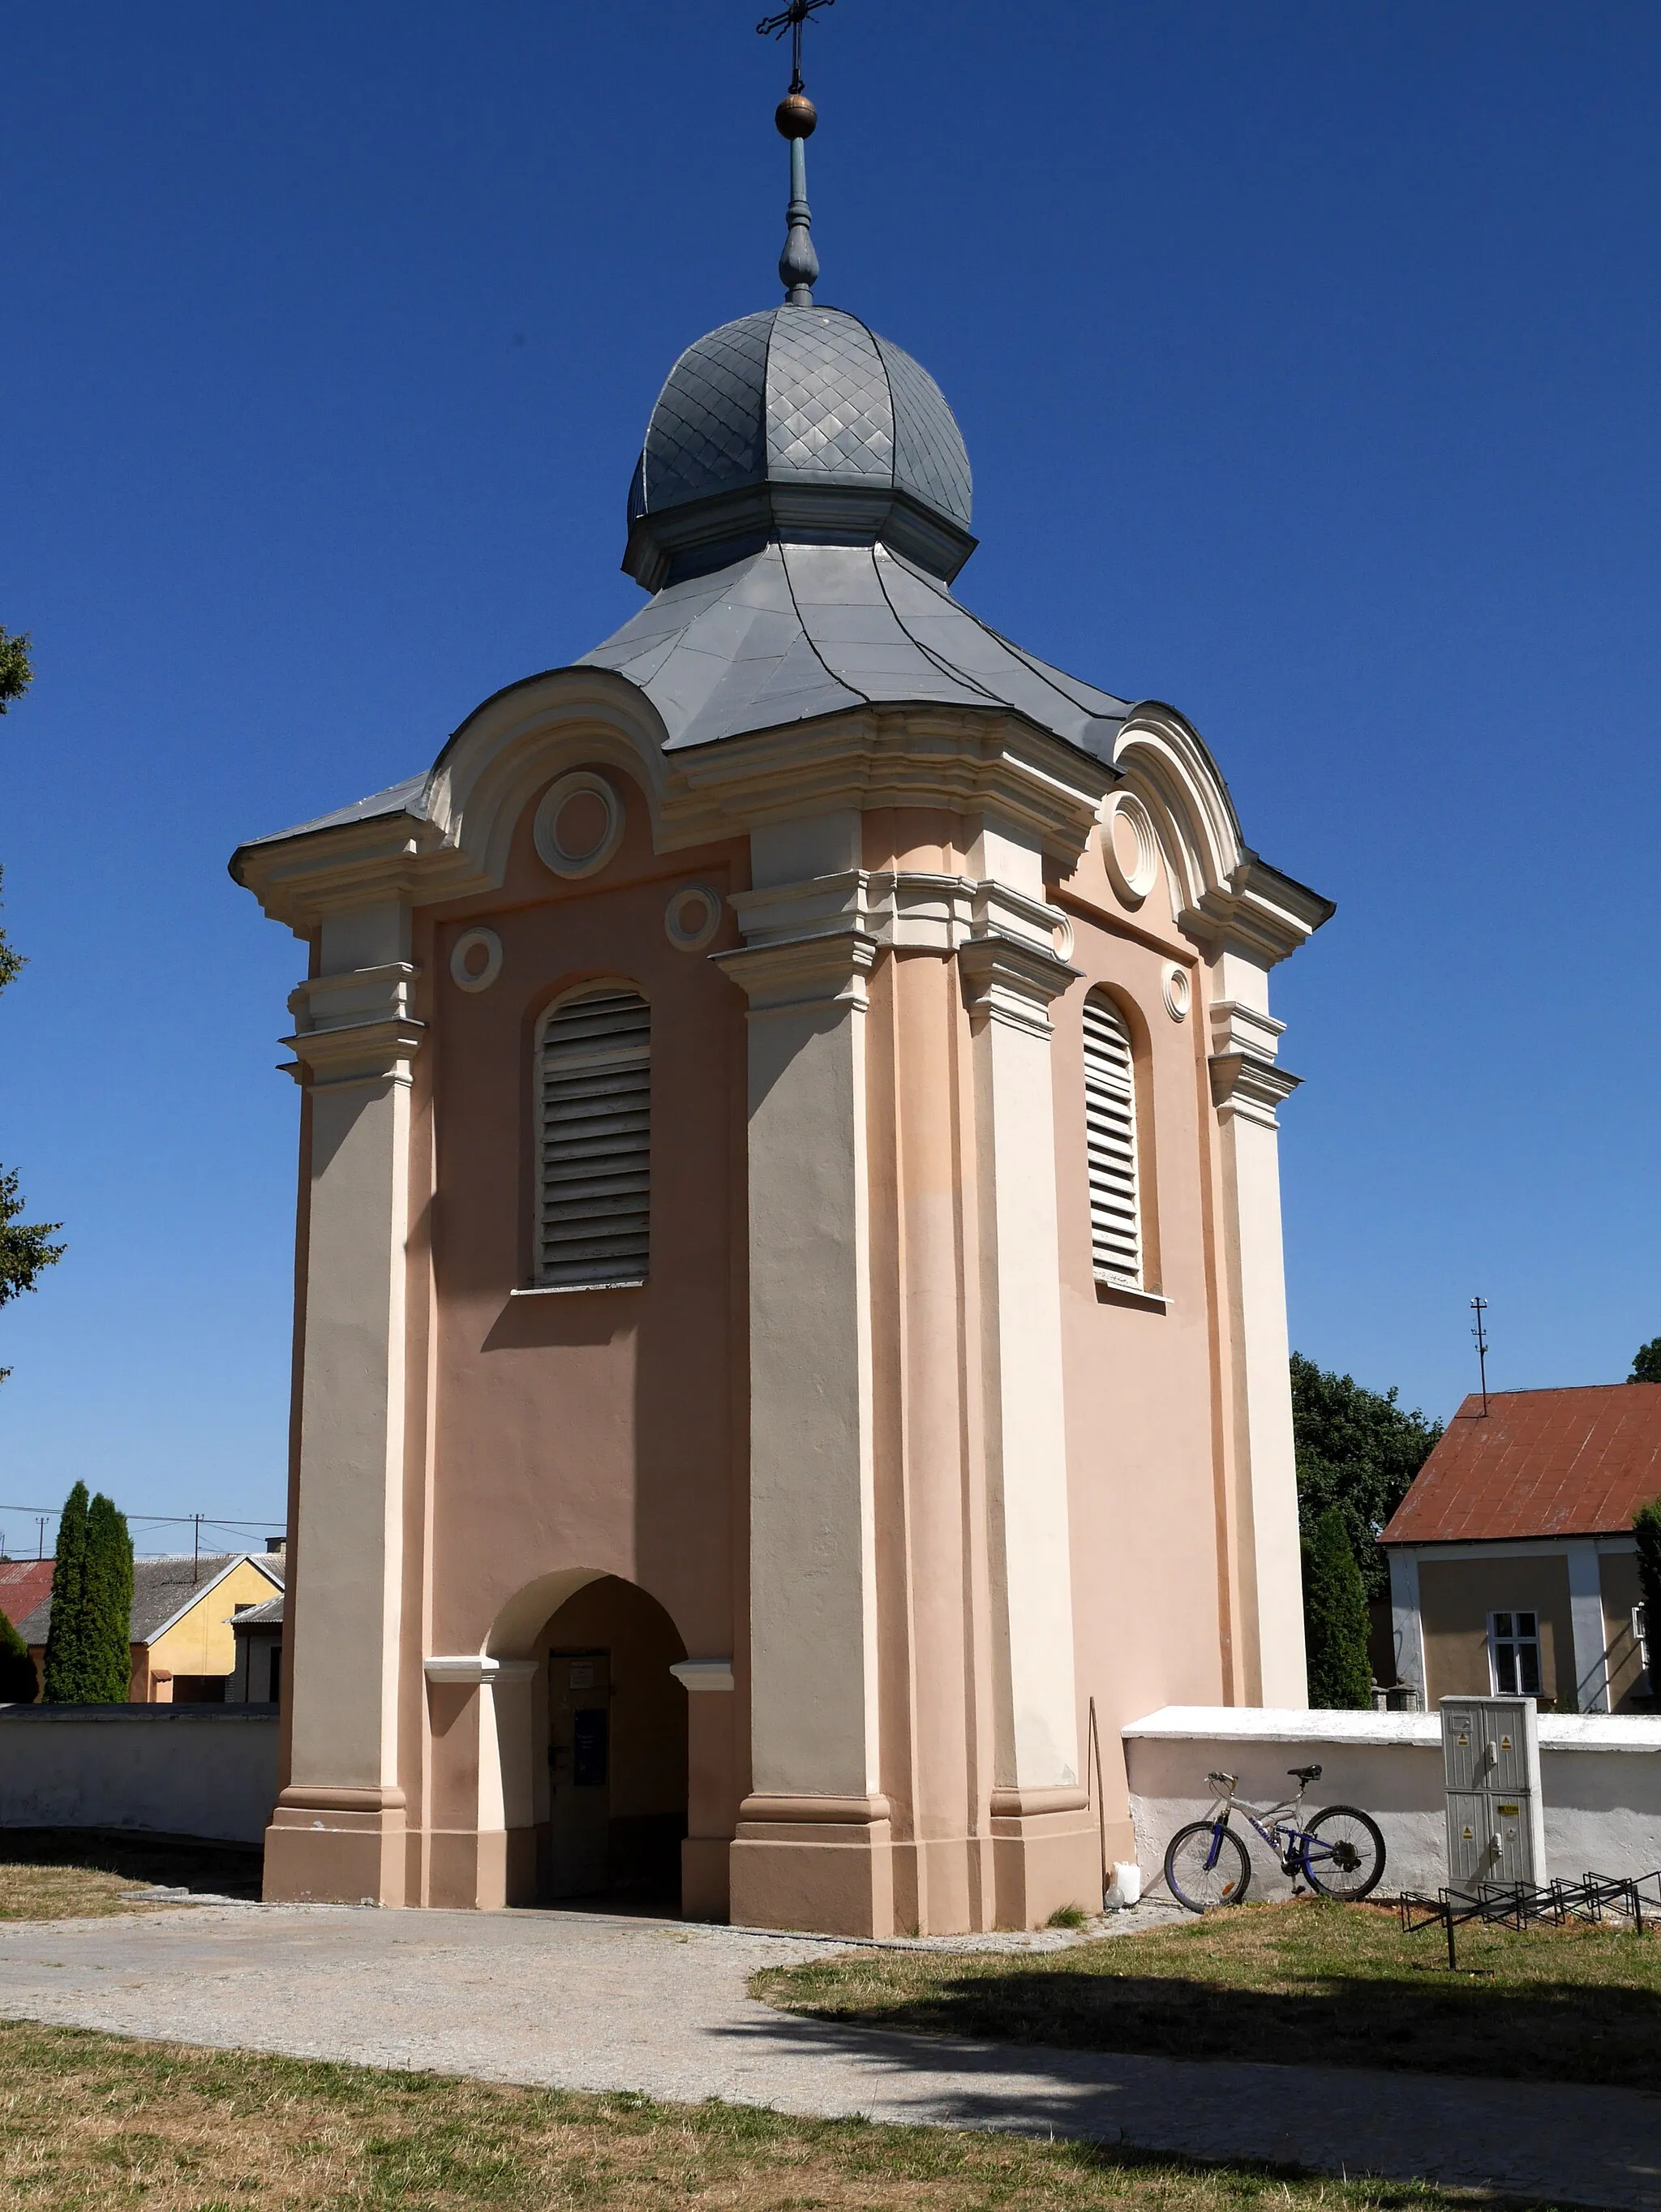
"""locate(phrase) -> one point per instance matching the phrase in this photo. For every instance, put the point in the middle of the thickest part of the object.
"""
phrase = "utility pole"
(1479, 1307)
(195, 1555)
(40, 1530)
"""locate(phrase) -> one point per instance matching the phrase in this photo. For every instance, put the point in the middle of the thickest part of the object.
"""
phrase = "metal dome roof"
(798, 420)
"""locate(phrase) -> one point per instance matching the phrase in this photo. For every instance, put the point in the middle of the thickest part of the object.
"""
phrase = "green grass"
(92, 2123)
(80, 1874)
(1304, 1983)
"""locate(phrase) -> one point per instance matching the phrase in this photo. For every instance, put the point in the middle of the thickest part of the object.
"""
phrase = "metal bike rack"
(1522, 1904)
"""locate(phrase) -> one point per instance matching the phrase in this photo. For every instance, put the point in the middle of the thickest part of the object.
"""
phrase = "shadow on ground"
(1545, 2147)
(168, 1861)
(1601, 2034)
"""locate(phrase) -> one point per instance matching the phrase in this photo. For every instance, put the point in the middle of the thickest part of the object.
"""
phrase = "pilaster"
(812, 1848)
(1247, 1087)
(482, 1846)
(1587, 1632)
(1011, 975)
(337, 1832)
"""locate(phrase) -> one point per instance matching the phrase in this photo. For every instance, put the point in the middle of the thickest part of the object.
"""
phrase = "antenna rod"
(1479, 1307)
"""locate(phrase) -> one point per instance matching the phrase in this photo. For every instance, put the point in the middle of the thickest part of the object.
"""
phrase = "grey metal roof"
(269, 1615)
(807, 390)
(161, 1589)
(804, 401)
(795, 631)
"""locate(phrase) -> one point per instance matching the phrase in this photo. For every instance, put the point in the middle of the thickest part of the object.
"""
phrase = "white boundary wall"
(1600, 1776)
(208, 1771)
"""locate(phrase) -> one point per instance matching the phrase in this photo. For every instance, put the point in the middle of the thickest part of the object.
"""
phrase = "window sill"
(576, 1289)
(1120, 1294)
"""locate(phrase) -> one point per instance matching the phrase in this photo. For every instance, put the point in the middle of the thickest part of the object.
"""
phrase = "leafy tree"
(109, 1604)
(26, 1247)
(66, 1639)
(1647, 1527)
(1646, 1362)
(1357, 1452)
(16, 672)
(19, 1683)
(1334, 1619)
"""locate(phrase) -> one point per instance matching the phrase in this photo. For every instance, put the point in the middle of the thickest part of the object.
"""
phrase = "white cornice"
(964, 760)
(1225, 894)
(456, 846)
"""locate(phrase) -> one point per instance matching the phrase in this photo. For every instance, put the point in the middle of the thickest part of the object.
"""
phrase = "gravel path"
(590, 2002)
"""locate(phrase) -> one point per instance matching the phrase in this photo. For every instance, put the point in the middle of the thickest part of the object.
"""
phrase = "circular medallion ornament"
(579, 824)
(475, 960)
(1130, 848)
(1179, 992)
(692, 917)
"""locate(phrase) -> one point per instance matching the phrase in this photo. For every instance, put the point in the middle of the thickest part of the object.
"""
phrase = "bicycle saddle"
(1305, 1773)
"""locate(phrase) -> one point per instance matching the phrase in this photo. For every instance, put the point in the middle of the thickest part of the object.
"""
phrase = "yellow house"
(183, 1649)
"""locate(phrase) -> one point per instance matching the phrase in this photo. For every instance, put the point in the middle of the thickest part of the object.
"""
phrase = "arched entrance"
(614, 1749)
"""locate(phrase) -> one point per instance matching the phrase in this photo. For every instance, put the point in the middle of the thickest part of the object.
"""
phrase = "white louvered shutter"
(594, 1104)
(1110, 1116)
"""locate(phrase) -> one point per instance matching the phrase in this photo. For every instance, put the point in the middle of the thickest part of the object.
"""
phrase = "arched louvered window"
(1110, 1119)
(593, 1105)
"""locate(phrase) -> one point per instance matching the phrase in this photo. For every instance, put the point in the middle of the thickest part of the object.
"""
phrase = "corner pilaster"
(1246, 1088)
(338, 1833)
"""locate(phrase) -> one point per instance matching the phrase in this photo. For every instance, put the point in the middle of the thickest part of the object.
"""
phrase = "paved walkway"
(595, 2003)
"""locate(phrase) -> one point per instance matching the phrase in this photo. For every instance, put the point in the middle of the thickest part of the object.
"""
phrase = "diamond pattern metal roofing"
(804, 392)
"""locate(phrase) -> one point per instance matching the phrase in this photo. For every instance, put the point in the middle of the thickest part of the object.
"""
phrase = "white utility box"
(1491, 1770)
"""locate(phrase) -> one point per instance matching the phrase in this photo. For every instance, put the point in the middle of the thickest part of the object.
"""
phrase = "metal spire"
(796, 118)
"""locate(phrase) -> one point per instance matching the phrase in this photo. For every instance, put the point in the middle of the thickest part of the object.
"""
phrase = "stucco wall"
(1600, 1776)
(591, 1429)
(211, 1771)
(1142, 1383)
(1456, 1597)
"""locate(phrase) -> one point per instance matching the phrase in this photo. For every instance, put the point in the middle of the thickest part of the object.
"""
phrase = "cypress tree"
(109, 1604)
(1334, 1619)
(19, 1683)
(1647, 1527)
(66, 1639)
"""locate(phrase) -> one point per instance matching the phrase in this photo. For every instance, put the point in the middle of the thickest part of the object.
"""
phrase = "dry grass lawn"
(69, 1874)
(1302, 1982)
(90, 2121)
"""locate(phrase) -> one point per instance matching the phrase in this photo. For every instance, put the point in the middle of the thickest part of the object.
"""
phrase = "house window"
(1513, 1643)
(1110, 1122)
(1640, 1637)
(593, 1107)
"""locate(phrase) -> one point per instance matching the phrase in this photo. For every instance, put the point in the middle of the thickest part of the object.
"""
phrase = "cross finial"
(796, 118)
(791, 19)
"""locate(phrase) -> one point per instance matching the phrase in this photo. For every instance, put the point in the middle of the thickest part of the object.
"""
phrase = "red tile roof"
(1543, 1463)
(24, 1585)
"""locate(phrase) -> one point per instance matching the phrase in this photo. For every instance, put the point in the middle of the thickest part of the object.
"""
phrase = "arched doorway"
(615, 1749)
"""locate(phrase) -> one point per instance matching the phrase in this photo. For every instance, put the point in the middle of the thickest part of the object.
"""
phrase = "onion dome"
(797, 423)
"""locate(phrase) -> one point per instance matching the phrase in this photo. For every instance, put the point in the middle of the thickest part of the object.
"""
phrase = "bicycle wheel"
(1344, 1853)
(1202, 1870)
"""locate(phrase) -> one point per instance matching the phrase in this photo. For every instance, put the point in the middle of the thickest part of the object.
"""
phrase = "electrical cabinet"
(1491, 1774)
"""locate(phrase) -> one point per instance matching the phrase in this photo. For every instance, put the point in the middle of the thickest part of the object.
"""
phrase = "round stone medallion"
(579, 824)
(475, 960)
(692, 917)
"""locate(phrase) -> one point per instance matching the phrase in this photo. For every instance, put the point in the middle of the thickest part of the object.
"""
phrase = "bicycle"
(1340, 1853)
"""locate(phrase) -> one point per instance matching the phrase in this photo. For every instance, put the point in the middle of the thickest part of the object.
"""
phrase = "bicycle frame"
(1293, 1846)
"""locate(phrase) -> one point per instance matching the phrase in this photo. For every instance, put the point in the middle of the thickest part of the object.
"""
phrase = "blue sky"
(1307, 357)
